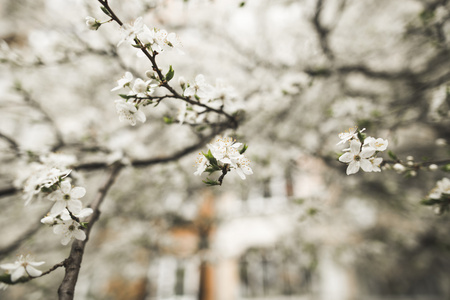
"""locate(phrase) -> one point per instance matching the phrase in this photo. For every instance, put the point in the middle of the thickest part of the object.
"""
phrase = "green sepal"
(242, 4)
(243, 149)
(392, 155)
(211, 182)
(126, 96)
(430, 201)
(169, 74)
(105, 11)
(361, 137)
(212, 159)
(212, 169)
(136, 46)
(446, 168)
(168, 120)
(84, 224)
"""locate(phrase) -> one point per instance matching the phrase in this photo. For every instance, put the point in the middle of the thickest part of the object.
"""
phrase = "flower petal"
(355, 147)
(77, 192)
(17, 274)
(353, 167)
(79, 235)
(74, 206)
(58, 207)
(346, 157)
(366, 165)
(65, 187)
(32, 271)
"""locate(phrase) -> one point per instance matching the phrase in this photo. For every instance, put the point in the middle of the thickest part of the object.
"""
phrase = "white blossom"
(225, 150)
(69, 230)
(378, 144)
(127, 111)
(357, 158)
(67, 197)
(351, 133)
(92, 23)
(130, 32)
(442, 188)
(123, 82)
(25, 265)
(202, 163)
(376, 161)
(200, 88)
(243, 167)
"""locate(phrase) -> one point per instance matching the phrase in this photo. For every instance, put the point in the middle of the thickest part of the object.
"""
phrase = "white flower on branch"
(201, 163)
(225, 150)
(67, 197)
(25, 265)
(442, 188)
(92, 23)
(69, 230)
(357, 158)
(243, 167)
(129, 32)
(378, 144)
(351, 133)
(200, 88)
(127, 111)
(123, 82)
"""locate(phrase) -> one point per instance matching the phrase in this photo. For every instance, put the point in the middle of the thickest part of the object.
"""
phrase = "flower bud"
(150, 74)
(412, 173)
(48, 220)
(92, 23)
(399, 168)
(182, 82)
(433, 167)
(410, 158)
(441, 142)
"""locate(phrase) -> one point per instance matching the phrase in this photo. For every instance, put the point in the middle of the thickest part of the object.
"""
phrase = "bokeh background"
(299, 228)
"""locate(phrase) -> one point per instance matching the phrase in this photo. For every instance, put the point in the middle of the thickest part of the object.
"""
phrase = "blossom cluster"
(362, 152)
(224, 154)
(49, 179)
(218, 97)
(439, 196)
(128, 107)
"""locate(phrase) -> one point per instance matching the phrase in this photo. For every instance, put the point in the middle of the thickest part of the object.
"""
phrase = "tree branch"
(72, 264)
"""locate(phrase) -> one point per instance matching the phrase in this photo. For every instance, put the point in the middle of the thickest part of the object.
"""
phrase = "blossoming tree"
(111, 100)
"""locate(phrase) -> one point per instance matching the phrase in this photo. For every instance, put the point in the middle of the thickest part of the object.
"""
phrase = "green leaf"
(211, 182)
(212, 159)
(243, 149)
(392, 155)
(169, 74)
(168, 120)
(106, 11)
(125, 96)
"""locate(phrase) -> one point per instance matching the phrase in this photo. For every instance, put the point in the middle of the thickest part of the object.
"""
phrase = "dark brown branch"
(12, 143)
(8, 191)
(321, 31)
(73, 263)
